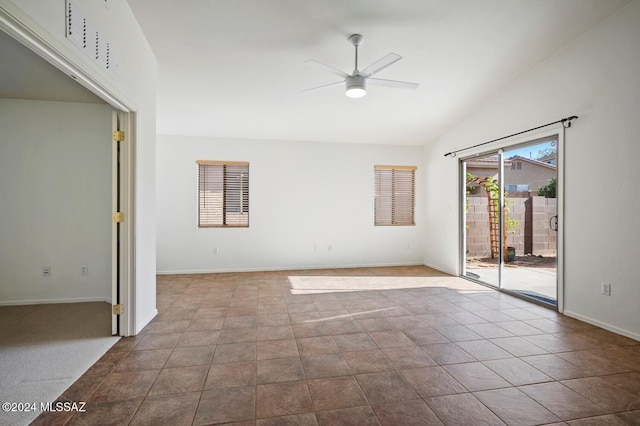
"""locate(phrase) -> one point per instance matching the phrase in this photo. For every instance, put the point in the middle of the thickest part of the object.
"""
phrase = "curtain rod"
(563, 121)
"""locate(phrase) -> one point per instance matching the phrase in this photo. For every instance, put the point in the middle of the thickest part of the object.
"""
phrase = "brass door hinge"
(118, 217)
(118, 309)
(118, 135)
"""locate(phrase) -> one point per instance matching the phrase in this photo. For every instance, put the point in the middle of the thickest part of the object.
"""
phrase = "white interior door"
(122, 226)
(115, 258)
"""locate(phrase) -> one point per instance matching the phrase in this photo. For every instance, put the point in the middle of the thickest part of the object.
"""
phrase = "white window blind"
(394, 195)
(223, 194)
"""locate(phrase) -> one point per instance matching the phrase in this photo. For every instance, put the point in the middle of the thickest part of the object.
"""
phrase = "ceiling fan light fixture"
(356, 92)
(355, 82)
(355, 86)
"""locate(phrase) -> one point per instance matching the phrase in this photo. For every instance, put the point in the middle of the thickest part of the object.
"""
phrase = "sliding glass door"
(482, 219)
(511, 219)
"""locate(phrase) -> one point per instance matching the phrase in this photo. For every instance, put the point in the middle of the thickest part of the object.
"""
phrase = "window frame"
(389, 208)
(226, 209)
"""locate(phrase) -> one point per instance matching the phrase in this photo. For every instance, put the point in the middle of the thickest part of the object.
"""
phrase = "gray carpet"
(45, 348)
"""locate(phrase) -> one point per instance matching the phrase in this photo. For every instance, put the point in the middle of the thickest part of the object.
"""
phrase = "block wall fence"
(532, 234)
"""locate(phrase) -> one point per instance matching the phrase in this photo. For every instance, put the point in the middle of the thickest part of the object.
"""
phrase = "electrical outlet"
(215, 250)
(330, 247)
(84, 270)
(46, 271)
(606, 289)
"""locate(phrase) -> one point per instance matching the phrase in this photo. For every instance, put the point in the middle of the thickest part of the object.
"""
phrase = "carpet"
(46, 348)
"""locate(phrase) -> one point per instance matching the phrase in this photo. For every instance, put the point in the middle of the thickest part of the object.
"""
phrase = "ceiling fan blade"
(393, 83)
(323, 86)
(326, 67)
(380, 64)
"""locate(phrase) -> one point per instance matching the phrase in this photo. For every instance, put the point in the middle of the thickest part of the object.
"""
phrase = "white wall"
(133, 84)
(304, 197)
(595, 78)
(55, 165)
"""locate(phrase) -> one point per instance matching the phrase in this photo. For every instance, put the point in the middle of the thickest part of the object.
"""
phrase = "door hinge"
(118, 217)
(118, 135)
(118, 309)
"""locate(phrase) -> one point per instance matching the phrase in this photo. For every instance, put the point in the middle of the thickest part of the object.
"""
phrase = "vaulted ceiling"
(236, 68)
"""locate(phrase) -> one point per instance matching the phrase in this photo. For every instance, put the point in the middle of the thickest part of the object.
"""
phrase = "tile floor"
(390, 346)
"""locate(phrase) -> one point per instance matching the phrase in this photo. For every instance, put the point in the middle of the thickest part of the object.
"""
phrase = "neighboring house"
(522, 175)
(481, 167)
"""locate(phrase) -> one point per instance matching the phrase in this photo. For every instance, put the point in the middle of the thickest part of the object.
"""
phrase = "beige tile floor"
(391, 346)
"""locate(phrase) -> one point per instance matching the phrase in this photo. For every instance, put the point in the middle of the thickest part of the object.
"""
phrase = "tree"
(549, 190)
(547, 151)
(492, 188)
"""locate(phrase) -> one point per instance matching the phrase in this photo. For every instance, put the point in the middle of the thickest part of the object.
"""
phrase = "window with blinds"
(395, 195)
(223, 194)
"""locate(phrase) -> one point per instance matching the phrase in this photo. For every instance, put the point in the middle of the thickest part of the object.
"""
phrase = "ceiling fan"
(356, 81)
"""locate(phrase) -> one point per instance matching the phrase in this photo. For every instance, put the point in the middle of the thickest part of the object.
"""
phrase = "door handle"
(553, 223)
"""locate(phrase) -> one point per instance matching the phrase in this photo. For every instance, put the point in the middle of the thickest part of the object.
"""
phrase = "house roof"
(492, 162)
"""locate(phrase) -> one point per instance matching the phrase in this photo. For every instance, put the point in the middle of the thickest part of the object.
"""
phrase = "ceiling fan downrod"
(356, 40)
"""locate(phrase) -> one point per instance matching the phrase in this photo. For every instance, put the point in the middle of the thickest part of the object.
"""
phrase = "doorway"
(75, 252)
(510, 219)
(56, 156)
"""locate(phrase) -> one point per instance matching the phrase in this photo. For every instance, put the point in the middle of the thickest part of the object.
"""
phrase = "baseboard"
(52, 301)
(609, 327)
(286, 268)
(438, 268)
(146, 321)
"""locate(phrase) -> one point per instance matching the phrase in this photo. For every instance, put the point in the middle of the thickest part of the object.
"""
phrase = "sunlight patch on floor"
(354, 315)
(333, 284)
